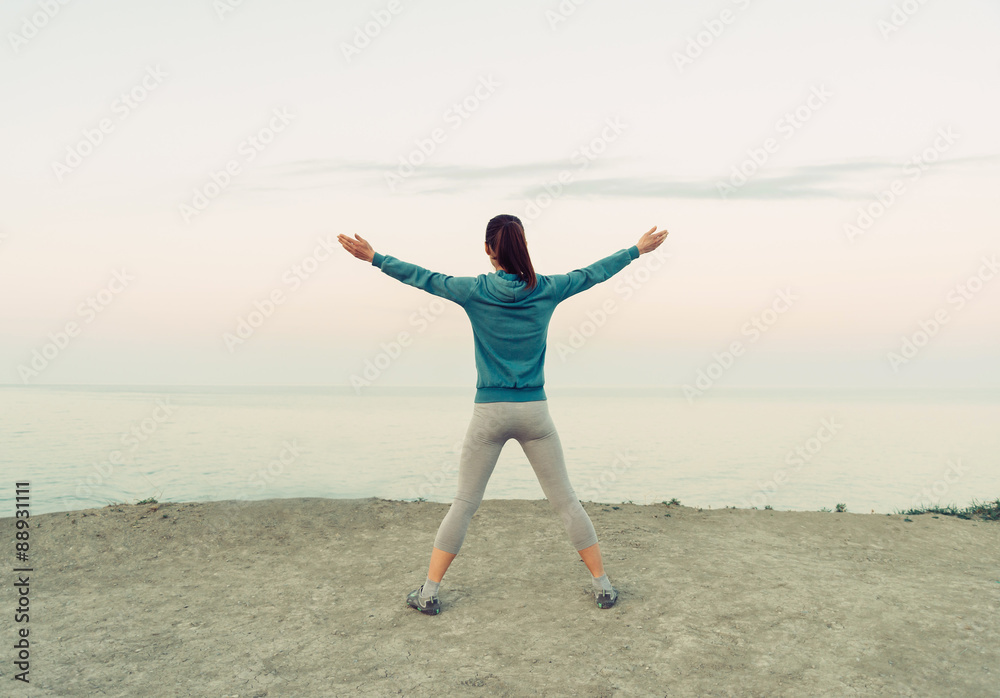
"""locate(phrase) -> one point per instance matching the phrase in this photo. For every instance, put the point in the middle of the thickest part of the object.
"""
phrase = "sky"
(174, 176)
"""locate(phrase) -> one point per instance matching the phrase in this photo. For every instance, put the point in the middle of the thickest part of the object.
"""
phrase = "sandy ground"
(305, 597)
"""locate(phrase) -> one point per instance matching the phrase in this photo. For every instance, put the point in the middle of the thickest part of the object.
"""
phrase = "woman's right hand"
(360, 248)
(651, 240)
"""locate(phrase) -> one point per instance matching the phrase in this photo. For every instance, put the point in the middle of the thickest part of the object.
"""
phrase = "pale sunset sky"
(413, 122)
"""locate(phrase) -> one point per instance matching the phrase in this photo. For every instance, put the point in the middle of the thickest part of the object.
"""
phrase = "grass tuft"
(984, 511)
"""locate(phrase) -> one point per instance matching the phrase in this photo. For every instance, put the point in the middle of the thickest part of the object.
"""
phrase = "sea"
(871, 451)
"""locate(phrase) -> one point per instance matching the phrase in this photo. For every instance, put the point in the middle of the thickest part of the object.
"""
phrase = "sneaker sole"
(607, 600)
(412, 602)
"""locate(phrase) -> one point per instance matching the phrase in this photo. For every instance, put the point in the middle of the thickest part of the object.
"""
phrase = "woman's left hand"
(359, 248)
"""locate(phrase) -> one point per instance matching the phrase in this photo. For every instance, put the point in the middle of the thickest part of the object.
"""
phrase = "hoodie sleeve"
(453, 288)
(578, 280)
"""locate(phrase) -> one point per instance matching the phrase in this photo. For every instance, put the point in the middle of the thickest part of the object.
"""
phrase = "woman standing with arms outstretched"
(510, 311)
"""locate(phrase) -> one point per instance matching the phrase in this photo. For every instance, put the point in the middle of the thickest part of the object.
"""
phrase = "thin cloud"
(841, 180)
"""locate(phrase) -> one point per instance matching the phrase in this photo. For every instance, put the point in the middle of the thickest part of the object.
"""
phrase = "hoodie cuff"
(633, 252)
(377, 260)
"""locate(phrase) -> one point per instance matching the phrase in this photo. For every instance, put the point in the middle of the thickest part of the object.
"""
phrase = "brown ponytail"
(505, 236)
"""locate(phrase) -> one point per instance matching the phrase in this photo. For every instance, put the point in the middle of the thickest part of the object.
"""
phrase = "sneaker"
(606, 600)
(431, 606)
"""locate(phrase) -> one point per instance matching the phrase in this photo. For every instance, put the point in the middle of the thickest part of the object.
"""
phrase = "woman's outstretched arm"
(581, 279)
(453, 288)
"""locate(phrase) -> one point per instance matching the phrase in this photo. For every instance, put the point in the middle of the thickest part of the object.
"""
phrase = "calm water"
(83, 446)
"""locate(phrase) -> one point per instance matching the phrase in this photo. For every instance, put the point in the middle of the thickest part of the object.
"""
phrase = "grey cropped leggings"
(492, 424)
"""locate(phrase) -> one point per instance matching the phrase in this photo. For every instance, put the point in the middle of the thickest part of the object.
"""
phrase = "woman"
(510, 311)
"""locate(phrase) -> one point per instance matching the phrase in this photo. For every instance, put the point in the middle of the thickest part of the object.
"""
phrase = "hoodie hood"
(506, 286)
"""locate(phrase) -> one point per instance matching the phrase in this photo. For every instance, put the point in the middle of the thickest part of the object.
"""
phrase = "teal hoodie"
(509, 323)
